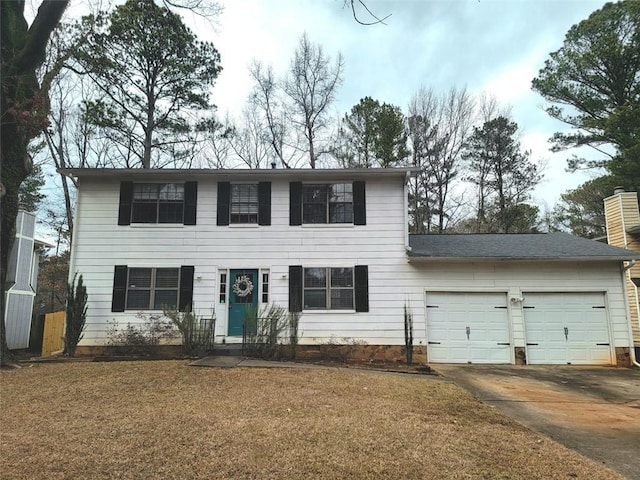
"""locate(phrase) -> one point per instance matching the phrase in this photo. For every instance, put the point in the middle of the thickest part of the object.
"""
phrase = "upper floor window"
(157, 203)
(244, 203)
(329, 203)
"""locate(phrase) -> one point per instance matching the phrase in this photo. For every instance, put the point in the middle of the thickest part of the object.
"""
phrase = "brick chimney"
(623, 230)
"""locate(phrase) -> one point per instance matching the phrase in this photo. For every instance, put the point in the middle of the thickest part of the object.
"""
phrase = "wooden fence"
(52, 339)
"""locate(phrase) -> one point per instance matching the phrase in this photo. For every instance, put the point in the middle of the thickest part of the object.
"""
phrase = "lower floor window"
(328, 288)
(152, 288)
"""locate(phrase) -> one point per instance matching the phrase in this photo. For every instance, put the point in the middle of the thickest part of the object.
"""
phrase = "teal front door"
(243, 292)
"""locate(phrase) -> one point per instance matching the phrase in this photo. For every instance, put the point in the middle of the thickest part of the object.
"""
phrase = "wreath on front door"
(243, 286)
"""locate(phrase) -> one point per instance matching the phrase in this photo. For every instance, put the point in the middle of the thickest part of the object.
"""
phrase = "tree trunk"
(23, 115)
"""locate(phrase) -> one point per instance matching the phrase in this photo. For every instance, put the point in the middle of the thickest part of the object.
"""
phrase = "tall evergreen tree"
(497, 163)
(152, 73)
(372, 135)
(593, 85)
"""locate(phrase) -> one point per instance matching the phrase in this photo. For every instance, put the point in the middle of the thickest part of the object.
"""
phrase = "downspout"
(407, 177)
(74, 236)
(632, 348)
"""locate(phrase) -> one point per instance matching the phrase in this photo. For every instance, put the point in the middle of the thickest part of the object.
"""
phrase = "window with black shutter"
(329, 288)
(327, 203)
(136, 288)
(157, 203)
(244, 203)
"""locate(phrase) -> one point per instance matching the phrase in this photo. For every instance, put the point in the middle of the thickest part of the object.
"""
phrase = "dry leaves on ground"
(167, 420)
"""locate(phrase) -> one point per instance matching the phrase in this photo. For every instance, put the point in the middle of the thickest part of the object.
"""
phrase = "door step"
(228, 350)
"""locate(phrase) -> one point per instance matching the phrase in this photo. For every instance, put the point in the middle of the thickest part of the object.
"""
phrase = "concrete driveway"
(593, 410)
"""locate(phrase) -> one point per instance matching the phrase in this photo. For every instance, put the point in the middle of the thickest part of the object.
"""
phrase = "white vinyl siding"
(99, 244)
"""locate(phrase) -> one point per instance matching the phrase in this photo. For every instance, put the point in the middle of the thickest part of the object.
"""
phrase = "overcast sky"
(496, 46)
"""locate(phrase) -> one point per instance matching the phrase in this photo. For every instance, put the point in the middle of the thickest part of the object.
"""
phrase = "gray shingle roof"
(520, 246)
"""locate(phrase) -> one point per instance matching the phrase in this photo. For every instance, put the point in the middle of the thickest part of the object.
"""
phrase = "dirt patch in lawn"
(561, 406)
(166, 420)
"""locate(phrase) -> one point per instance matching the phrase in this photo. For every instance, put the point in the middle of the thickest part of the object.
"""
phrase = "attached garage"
(567, 328)
(468, 327)
(522, 298)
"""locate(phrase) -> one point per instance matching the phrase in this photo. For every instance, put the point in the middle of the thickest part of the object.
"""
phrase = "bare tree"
(251, 141)
(266, 97)
(438, 128)
(311, 85)
(360, 7)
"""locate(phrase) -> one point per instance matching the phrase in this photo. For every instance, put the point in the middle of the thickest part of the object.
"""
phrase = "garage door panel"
(563, 328)
(468, 328)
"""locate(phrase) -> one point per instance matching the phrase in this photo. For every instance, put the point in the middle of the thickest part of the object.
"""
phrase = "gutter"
(422, 258)
(632, 347)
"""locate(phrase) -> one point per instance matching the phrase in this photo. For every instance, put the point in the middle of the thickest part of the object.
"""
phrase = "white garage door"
(468, 328)
(566, 328)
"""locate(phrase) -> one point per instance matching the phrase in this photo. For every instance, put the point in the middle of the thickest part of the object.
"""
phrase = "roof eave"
(424, 258)
(236, 173)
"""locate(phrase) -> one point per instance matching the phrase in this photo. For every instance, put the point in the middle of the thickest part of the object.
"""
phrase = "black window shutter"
(126, 197)
(224, 194)
(186, 289)
(359, 204)
(295, 203)
(295, 288)
(119, 288)
(264, 203)
(190, 202)
(361, 274)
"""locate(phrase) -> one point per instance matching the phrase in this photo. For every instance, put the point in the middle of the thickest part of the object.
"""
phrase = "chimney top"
(618, 189)
(273, 165)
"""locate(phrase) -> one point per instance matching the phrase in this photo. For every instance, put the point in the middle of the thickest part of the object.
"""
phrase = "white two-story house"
(334, 246)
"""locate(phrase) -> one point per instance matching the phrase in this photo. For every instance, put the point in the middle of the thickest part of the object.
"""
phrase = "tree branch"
(33, 52)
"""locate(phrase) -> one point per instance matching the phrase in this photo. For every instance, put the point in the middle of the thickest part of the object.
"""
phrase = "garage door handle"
(531, 344)
(602, 344)
(433, 343)
(504, 343)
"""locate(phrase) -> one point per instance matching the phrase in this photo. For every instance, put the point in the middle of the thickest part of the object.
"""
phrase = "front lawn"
(166, 420)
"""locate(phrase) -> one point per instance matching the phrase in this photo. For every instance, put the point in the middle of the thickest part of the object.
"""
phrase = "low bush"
(197, 333)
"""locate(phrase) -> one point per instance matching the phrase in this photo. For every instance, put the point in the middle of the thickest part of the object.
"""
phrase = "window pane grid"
(328, 288)
(152, 288)
(157, 203)
(265, 288)
(244, 203)
(332, 203)
(223, 288)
